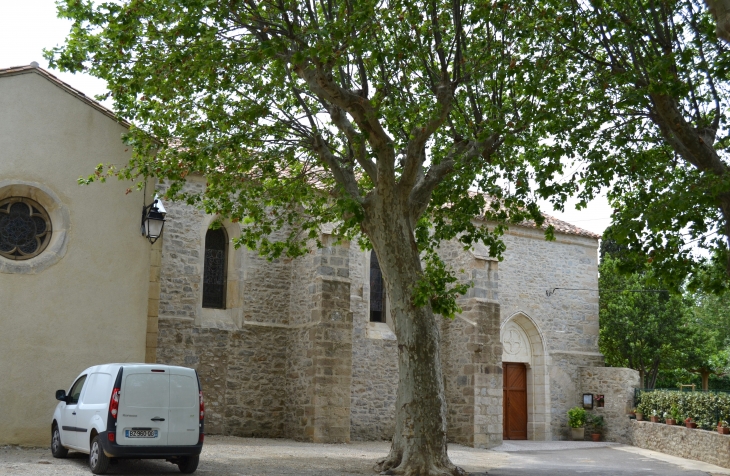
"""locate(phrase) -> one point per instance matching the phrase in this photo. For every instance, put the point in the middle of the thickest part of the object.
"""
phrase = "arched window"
(214, 275)
(377, 290)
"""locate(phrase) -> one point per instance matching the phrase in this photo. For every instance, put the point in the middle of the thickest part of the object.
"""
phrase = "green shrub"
(705, 408)
(577, 417)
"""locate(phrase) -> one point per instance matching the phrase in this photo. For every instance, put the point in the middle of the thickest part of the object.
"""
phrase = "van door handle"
(73, 413)
(158, 419)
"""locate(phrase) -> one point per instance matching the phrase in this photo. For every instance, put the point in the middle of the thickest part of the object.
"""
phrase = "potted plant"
(654, 416)
(673, 416)
(723, 428)
(577, 423)
(639, 414)
(598, 423)
(690, 423)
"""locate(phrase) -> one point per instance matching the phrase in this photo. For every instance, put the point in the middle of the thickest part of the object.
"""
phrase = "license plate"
(140, 433)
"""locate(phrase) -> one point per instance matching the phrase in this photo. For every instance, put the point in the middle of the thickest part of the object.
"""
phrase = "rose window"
(25, 228)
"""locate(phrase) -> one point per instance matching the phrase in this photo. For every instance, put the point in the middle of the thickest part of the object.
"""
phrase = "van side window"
(75, 392)
(99, 389)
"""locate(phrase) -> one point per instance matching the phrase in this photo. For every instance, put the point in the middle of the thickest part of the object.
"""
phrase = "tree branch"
(415, 151)
(344, 176)
(468, 150)
(357, 142)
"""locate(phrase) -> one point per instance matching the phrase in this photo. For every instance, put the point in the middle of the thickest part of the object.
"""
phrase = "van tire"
(57, 449)
(188, 464)
(98, 461)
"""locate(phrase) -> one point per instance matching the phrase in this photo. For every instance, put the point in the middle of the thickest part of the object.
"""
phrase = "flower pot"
(723, 430)
(578, 434)
(596, 436)
(639, 416)
(690, 424)
(671, 421)
(654, 419)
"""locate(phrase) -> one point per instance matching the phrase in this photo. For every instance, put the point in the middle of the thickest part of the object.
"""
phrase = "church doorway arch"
(526, 389)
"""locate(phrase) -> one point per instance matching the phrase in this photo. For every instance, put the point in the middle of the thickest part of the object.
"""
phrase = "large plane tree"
(392, 119)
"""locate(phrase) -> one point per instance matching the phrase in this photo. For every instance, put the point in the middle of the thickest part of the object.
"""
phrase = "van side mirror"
(61, 395)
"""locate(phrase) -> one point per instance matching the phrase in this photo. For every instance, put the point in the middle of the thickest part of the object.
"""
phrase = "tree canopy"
(397, 121)
(656, 102)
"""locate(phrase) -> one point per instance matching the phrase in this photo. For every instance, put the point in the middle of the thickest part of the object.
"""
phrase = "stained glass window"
(214, 275)
(377, 291)
(25, 228)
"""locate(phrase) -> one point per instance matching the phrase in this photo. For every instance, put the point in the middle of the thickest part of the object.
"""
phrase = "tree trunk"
(705, 374)
(720, 9)
(419, 443)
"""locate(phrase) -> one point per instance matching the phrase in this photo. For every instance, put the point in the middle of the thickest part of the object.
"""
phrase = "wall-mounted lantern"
(153, 220)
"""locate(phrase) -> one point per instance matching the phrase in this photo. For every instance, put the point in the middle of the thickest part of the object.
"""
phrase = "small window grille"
(377, 290)
(214, 275)
(25, 228)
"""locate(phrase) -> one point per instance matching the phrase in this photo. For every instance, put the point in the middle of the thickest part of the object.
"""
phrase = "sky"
(29, 26)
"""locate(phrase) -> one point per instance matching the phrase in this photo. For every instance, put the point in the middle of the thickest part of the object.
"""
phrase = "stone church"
(299, 348)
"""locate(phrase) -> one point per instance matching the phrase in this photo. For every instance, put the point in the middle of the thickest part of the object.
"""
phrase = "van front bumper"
(114, 450)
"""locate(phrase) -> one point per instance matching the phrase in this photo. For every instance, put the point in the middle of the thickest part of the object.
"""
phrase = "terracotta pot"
(639, 416)
(690, 424)
(654, 419)
(596, 436)
(723, 431)
(671, 421)
(578, 434)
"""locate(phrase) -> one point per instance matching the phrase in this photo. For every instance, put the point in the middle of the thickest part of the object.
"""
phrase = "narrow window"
(214, 275)
(377, 290)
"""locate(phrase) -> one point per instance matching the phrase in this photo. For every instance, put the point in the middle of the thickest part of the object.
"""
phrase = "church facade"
(300, 348)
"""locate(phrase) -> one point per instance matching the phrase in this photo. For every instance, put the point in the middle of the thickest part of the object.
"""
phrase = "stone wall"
(242, 373)
(564, 373)
(181, 267)
(338, 375)
(708, 446)
(567, 320)
(617, 386)
(471, 355)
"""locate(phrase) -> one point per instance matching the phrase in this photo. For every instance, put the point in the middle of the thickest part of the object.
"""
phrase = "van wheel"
(188, 464)
(57, 449)
(98, 461)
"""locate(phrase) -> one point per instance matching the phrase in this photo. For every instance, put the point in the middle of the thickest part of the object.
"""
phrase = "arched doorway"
(526, 392)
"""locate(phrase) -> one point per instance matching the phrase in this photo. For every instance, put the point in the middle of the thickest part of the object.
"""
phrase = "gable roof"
(34, 68)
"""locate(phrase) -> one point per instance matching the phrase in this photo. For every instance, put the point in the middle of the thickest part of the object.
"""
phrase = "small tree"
(390, 119)
(640, 330)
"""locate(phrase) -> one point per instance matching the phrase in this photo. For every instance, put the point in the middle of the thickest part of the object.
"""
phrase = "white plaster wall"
(90, 307)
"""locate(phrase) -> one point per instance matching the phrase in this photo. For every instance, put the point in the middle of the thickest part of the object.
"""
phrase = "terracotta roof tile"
(565, 227)
(32, 68)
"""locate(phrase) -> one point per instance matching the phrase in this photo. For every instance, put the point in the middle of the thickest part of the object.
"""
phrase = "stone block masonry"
(242, 373)
(294, 353)
(708, 446)
(617, 386)
(471, 355)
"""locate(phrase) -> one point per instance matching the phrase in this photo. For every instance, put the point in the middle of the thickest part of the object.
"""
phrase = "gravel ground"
(230, 456)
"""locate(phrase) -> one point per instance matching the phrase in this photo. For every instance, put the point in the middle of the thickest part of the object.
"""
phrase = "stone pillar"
(327, 411)
(472, 363)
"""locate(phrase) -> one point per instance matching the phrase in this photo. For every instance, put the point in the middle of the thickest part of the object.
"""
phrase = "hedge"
(705, 408)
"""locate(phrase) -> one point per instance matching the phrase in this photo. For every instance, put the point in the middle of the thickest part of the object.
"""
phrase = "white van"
(131, 411)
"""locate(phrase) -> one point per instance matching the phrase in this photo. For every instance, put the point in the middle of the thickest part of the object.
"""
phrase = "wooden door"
(514, 395)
